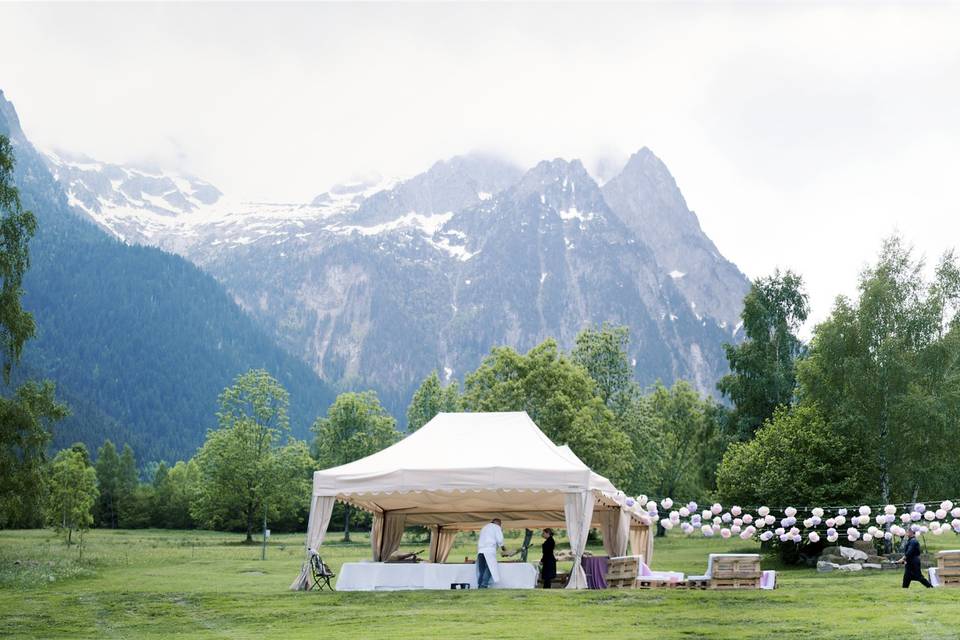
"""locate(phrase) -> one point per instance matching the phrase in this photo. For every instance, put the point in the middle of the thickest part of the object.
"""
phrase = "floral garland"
(763, 525)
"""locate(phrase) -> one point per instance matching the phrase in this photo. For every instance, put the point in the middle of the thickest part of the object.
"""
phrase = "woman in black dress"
(549, 561)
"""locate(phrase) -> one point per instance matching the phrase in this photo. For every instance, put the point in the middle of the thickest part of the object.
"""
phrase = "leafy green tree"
(762, 368)
(27, 417)
(244, 470)
(108, 481)
(603, 353)
(797, 458)
(130, 497)
(174, 502)
(72, 493)
(16, 228)
(356, 425)
(430, 399)
(670, 430)
(885, 372)
(26, 421)
(559, 396)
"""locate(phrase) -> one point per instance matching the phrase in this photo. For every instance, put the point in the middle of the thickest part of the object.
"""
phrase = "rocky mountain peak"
(563, 185)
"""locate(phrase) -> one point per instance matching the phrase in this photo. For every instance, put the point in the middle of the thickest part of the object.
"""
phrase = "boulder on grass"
(825, 567)
(871, 565)
(852, 554)
(853, 566)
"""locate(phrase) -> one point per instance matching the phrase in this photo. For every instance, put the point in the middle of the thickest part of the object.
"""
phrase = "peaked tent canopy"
(460, 470)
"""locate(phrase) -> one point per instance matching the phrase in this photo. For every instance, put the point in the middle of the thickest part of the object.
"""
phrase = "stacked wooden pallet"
(948, 568)
(622, 572)
(735, 572)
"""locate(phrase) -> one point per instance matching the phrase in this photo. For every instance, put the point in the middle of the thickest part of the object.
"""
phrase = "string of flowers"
(830, 523)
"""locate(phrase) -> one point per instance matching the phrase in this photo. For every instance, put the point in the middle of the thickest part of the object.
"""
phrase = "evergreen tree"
(108, 481)
(603, 353)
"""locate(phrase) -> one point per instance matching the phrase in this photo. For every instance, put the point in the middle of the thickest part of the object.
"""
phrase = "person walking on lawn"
(911, 561)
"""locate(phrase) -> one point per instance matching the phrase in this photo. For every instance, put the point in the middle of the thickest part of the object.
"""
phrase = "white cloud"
(800, 133)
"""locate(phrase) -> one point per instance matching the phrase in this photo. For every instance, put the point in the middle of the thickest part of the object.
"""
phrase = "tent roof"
(459, 452)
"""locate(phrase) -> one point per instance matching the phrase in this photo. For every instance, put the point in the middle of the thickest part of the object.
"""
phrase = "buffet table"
(401, 576)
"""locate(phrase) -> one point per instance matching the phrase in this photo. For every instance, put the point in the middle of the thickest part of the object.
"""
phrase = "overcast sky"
(801, 134)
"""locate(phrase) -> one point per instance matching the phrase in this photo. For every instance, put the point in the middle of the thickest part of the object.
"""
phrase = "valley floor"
(193, 584)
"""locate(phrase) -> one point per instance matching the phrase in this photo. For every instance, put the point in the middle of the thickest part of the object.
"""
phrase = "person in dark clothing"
(911, 561)
(548, 561)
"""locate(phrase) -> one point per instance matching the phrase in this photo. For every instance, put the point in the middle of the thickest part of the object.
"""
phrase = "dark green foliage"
(25, 423)
(796, 458)
(430, 399)
(603, 353)
(17, 226)
(108, 482)
(762, 367)
(559, 396)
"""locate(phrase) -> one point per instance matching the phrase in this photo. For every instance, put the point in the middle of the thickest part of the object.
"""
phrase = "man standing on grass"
(911, 561)
(491, 537)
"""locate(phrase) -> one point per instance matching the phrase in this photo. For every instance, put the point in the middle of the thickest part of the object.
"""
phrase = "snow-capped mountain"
(376, 283)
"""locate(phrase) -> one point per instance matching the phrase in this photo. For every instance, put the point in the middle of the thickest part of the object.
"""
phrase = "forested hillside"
(139, 342)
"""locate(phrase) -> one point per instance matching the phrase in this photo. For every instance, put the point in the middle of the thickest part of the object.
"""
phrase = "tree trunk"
(346, 523)
(249, 539)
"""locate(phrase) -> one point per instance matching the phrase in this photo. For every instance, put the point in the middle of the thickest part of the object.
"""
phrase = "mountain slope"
(646, 197)
(144, 338)
(375, 285)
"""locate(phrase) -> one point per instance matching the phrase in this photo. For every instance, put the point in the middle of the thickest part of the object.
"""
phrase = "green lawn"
(169, 584)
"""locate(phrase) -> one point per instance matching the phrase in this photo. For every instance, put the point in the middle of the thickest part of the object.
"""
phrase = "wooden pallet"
(948, 568)
(661, 584)
(735, 568)
(621, 583)
(734, 583)
(698, 584)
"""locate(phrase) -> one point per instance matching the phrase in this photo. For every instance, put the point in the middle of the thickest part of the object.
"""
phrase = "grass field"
(190, 584)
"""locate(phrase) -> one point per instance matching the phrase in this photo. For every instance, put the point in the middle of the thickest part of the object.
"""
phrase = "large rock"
(853, 566)
(871, 565)
(852, 554)
(826, 567)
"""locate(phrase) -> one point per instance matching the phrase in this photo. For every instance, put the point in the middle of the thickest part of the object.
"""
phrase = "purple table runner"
(596, 569)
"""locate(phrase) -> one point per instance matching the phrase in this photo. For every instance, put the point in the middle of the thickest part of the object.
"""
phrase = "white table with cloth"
(403, 576)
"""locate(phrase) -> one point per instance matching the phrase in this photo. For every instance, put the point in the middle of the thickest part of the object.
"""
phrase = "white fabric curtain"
(578, 511)
(441, 542)
(385, 534)
(320, 511)
(641, 543)
(376, 535)
(616, 531)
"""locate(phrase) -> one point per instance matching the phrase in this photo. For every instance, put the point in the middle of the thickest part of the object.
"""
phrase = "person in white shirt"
(491, 537)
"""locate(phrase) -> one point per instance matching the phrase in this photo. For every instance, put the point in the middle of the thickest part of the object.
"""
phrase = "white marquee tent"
(460, 470)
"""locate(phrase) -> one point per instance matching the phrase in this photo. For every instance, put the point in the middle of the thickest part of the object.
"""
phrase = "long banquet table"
(400, 576)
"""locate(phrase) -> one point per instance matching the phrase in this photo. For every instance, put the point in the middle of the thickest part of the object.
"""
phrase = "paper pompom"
(841, 512)
(724, 533)
(726, 517)
(955, 512)
(747, 518)
(946, 505)
(651, 505)
(867, 537)
(684, 512)
(889, 509)
(832, 537)
(808, 523)
(888, 536)
(766, 535)
(735, 510)
(915, 516)
(780, 531)
(630, 502)
(840, 521)
(763, 511)
(919, 507)
(769, 519)
(790, 512)
(666, 503)
(817, 512)
(707, 514)
(706, 530)
(941, 513)
(642, 500)
(904, 518)
(716, 508)
(830, 522)
(735, 529)
(666, 524)
(929, 515)
(814, 537)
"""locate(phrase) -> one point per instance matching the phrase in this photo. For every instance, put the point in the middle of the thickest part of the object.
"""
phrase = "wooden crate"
(948, 568)
(735, 568)
(622, 583)
(643, 583)
(734, 583)
(622, 572)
